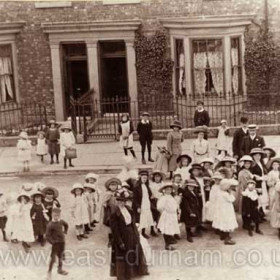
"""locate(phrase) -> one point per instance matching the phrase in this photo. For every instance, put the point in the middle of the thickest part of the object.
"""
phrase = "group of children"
(54, 141)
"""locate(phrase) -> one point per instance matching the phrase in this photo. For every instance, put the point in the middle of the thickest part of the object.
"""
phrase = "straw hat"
(251, 182)
(228, 183)
(246, 158)
(252, 126)
(145, 114)
(207, 160)
(23, 194)
(52, 122)
(184, 156)
(225, 159)
(37, 192)
(90, 186)
(41, 132)
(92, 176)
(195, 166)
(223, 121)
(176, 124)
(47, 190)
(23, 135)
(273, 153)
(65, 126)
(191, 182)
(167, 184)
(77, 186)
(157, 172)
(260, 151)
(111, 181)
(39, 186)
(27, 187)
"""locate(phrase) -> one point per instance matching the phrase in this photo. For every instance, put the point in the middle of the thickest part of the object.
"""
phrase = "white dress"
(79, 209)
(223, 140)
(210, 205)
(126, 143)
(23, 228)
(146, 217)
(12, 214)
(184, 172)
(168, 221)
(154, 187)
(24, 150)
(224, 218)
(272, 178)
(67, 140)
(200, 150)
(42, 147)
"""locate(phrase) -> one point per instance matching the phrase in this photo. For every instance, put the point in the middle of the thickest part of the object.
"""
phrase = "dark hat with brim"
(112, 181)
(143, 172)
(176, 124)
(184, 156)
(37, 193)
(195, 166)
(260, 151)
(167, 184)
(273, 153)
(48, 190)
(199, 129)
(158, 172)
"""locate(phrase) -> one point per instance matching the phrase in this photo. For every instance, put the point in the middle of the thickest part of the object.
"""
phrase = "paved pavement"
(256, 257)
(106, 157)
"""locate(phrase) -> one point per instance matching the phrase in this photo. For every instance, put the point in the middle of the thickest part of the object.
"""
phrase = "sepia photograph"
(138, 139)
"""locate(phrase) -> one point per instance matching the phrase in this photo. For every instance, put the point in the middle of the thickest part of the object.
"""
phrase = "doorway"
(76, 81)
(114, 81)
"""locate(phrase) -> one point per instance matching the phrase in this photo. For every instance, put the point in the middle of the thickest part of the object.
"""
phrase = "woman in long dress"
(273, 177)
(174, 147)
(200, 147)
(128, 259)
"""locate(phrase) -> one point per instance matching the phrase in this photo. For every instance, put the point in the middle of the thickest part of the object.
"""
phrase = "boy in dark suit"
(238, 136)
(144, 129)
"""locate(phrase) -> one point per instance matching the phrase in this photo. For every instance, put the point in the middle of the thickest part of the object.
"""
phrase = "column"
(57, 82)
(172, 45)
(188, 66)
(227, 65)
(132, 78)
(92, 59)
(243, 65)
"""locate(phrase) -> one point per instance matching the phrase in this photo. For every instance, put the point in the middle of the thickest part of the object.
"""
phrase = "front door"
(114, 82)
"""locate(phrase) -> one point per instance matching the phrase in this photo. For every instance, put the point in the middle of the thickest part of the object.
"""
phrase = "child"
(275, 211)
(207, 187)
(144, 129)
(224, 219)
(109, 203)
(207, 167)
(50, 200)
(56, 230)
(52, 137)
(12, 214)
(210, 205)
(67, 141)
(23, 230)
(126, 131)
(79, 210)
(89, 190)
(3, 217)
(227, 162)
(273, 178)
(190, 208)
(168, 221)
(200, 147)
(270, 154)
(223, 140)
(24, 150)
(142, 205)
(92, 179)
(183, 162)
(39, 217)
(42, 147)
(161, 160)
(250, 212)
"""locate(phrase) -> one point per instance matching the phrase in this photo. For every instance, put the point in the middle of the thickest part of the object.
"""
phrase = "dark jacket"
(238, 136)
(190, 205)
(256, 170)
(128, 259)
(250, 207)
(38, 219)
(248, 144)
(131, 128)
(145, 132)
(137, 199)
(56, 231)
(201, 118)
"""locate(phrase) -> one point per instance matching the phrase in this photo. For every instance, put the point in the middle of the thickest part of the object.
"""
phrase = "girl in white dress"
(183, 168)
(168, 222)
(273, 177)
(79, 210)
(223, 140)
(67, 141)
(24, 150)
(42, 147)
(224, 219)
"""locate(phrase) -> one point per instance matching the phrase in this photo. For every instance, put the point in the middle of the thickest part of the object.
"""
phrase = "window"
(180, 67)
(6, 74)
(208, 74)
(236, 74)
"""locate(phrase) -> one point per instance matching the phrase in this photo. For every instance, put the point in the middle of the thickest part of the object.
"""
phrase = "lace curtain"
(215, 60)
(5, 78)
(182, 80)
(200, 63)
(235, 69)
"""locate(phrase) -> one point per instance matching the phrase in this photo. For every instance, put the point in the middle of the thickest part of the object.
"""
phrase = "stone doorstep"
(159, 134)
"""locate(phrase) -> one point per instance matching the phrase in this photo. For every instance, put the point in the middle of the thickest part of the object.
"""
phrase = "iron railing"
(15, 117)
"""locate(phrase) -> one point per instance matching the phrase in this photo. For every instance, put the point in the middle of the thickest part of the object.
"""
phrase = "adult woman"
(128, 258)
(259, 170)
(174, 147)
(270, 154)
(200, 146)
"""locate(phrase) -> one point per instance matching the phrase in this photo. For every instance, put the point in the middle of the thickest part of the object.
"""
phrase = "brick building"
(50, 51)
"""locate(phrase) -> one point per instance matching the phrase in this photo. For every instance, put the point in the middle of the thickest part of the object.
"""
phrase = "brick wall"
(34, 64)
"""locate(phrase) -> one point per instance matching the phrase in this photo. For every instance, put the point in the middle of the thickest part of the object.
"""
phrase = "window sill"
(48, 5)
(120, 2)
